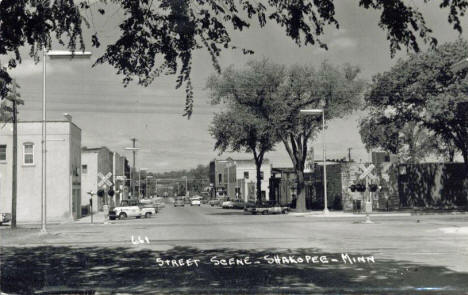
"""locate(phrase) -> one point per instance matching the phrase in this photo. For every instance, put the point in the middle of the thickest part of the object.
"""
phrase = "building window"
(246, 174)
(28, 154)
(3, 152)
(84, 169)
(220, 178)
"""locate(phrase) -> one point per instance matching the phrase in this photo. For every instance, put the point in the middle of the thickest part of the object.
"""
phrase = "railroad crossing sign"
(366, 171)
(104, 179)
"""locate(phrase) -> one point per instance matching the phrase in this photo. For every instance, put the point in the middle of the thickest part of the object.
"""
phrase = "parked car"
(238, 204)
(214, 202)
(4, 218)
(266, 208)
(179, 202)
(227, 205)
(131, 208)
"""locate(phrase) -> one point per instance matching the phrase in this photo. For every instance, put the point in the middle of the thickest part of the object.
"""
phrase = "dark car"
(179, 202)
(238, 204)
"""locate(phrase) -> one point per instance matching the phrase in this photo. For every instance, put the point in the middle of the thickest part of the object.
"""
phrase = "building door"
(76, 203)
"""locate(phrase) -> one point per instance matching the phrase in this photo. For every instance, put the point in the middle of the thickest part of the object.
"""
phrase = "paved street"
(182, 249)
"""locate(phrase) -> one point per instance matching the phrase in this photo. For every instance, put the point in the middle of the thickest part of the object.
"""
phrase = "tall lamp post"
(51, 54)
(321, 112)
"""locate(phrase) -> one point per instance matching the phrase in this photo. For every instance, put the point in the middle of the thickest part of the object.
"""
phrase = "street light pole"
(325, 195)
(58, 54)
(44, 146)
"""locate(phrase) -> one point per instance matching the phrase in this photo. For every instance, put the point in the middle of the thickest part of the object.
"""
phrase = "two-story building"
(238, 178)
(96, 164)
(63, 179)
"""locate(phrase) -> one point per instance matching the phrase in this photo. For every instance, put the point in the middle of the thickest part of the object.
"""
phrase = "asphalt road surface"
(209, 250)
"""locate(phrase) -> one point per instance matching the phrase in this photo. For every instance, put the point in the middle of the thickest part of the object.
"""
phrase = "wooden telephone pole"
(15, 100)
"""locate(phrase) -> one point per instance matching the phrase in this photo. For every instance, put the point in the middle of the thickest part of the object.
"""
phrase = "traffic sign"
(366, 171)
(104, 179)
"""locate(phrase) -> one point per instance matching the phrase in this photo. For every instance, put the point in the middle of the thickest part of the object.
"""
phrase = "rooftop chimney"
(68, 117)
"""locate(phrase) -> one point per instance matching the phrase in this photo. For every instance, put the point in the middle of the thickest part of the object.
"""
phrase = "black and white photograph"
(233, 147)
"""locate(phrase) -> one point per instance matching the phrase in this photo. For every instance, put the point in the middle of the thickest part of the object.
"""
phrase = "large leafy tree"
(243, 127)
(278, 94)
(424, 90)
(159, 36)
(337, 91)
(410, 141)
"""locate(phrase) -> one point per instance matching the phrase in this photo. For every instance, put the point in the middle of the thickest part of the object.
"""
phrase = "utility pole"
(134, 149)
(134, 152)
(15, 100)
(349, 154)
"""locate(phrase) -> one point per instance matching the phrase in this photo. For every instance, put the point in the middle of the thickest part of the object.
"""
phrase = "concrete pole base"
(368, 220)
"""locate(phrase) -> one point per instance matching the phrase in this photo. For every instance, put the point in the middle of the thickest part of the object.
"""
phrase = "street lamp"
(51, 54)
(322, 112)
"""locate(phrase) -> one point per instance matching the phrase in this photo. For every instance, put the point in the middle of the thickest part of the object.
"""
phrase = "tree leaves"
(421, 90)
(159, 36)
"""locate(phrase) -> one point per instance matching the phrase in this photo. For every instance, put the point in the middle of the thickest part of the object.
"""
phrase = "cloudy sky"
(109, 114)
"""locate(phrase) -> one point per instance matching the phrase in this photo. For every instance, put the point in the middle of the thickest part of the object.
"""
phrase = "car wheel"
(265, 212)
(284, 211)
(212, 205)
(111, 218)
(137, 217)
(122, 215)
(147, 215)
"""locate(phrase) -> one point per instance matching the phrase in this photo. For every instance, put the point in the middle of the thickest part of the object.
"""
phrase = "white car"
(131, 208)
(227, 205)
(195, 202)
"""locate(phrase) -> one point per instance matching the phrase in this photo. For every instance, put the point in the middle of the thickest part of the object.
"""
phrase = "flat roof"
(50, 121)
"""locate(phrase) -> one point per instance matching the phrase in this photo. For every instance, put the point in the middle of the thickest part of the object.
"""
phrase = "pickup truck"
(266, 208)
(131, 208)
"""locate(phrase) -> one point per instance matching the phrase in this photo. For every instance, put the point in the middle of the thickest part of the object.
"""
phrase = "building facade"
(95, 161)
(237, 179)
(63, 179)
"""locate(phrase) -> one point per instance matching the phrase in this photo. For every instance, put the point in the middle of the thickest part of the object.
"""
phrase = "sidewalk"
(98, 218)
(341, 214)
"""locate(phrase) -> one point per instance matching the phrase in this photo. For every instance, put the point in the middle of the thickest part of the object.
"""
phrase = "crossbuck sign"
(366, 171)
(104, 180)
